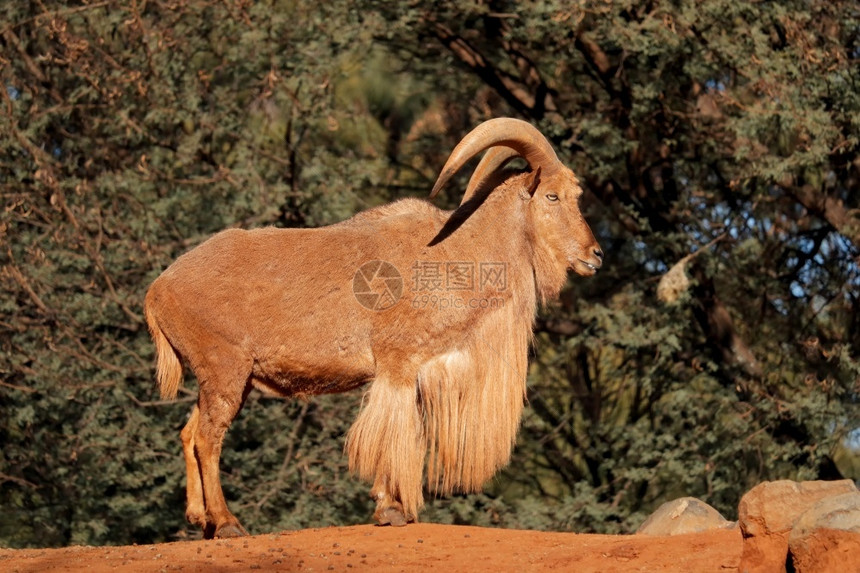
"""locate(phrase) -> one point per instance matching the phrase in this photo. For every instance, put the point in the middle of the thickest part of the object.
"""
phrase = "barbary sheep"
(434, 309)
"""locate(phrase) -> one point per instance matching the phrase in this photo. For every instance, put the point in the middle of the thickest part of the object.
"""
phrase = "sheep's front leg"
(389, 511)
(386, 445)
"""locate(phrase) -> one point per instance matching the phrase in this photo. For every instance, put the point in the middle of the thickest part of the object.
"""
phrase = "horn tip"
(443, 179)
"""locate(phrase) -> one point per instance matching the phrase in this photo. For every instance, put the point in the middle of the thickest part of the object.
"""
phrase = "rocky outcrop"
(770, 512)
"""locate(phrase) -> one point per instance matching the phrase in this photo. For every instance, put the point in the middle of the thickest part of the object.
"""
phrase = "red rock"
(826, 537)
(828, 551)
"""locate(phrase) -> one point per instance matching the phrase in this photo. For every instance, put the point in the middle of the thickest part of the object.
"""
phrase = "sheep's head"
(560, 229)
(562, 237)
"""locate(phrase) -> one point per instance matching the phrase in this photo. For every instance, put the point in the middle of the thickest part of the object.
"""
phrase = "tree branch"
(518, 94)
(845, 221)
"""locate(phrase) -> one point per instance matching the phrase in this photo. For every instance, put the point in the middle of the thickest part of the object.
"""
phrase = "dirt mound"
(417, 547)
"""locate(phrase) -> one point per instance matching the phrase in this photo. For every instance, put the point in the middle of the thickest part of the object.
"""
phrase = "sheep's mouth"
(584, 268)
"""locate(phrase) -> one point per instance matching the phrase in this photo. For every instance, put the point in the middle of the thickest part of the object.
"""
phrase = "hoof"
(391, 516)
(230, 530)
(196, 518)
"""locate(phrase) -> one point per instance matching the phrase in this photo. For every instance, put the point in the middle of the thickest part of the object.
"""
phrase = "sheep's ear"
(533, 181)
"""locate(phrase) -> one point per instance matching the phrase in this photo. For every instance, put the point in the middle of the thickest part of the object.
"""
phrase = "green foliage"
(129, 132)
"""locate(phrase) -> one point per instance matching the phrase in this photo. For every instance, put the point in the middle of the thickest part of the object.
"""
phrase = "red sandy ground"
(416, 547)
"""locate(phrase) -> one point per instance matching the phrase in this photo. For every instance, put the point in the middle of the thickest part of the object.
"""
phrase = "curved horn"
(519, 135)
(494, 159)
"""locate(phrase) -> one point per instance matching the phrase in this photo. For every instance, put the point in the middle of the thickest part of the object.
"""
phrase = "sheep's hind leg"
(195, 508)
(219, 401)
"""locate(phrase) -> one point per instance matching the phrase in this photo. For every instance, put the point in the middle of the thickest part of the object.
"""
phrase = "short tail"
(168, 367)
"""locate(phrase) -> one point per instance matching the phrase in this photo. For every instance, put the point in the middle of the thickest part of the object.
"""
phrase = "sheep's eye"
(552, 196)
